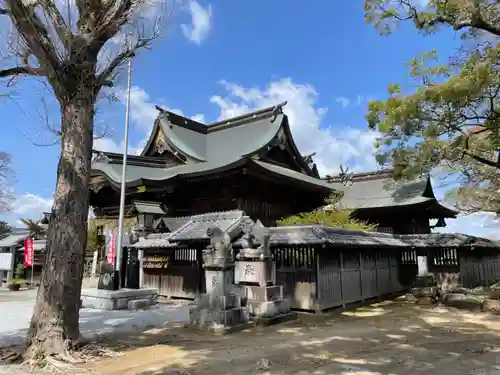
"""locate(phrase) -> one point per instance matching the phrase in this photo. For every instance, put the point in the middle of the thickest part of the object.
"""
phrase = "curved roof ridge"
(238, 120)
(176, 138)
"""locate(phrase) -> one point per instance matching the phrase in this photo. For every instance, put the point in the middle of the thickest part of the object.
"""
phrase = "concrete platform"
(121, 299)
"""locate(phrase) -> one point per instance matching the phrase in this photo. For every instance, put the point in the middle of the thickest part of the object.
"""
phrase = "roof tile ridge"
(247, 117)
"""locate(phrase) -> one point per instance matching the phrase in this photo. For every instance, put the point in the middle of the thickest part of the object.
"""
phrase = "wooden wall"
(181, 276)
(478, 267)
(312, 278)
(351, 275)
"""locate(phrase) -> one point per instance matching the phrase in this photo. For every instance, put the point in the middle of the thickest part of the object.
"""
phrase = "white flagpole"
(124, 171)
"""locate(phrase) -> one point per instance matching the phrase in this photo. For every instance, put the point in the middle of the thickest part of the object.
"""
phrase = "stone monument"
(425, 288)
(255, 273)
(219, 309)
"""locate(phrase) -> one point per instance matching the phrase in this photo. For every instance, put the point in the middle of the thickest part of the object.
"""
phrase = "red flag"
(111, 249)
(28, 252)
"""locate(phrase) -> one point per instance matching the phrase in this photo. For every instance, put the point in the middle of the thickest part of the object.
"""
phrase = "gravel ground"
(391, 338)
(388, 338)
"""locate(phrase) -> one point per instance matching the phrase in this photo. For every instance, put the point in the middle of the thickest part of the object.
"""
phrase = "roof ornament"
(309, 159)
(161, 147)
(277, 110)
(345, 178)
(100, 157)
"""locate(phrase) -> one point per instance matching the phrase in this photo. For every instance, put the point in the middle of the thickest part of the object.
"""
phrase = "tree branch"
(21, 70)
(105, 78)
(60, 26)
(480, 159)
(34, 34)
(475, 22)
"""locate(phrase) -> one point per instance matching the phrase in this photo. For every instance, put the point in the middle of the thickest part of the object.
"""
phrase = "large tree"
(5, 188)
(65, 44)
(451, 119)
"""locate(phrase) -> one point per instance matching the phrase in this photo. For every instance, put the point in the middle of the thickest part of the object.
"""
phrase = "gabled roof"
(208, 149)
(379, 189)
(196, 228)
(221, 141)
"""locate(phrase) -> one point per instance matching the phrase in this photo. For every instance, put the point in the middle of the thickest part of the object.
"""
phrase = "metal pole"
(124, 171)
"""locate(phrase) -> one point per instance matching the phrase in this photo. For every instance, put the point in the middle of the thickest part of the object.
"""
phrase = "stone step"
(138, 304)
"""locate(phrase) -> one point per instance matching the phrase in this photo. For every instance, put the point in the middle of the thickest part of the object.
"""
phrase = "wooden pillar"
(10, 274)
(140, 255)
(318, 285)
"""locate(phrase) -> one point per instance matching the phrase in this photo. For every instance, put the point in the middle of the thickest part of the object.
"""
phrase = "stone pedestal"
(255, 274)
(220, 309)
(425, 289)
(122, 299)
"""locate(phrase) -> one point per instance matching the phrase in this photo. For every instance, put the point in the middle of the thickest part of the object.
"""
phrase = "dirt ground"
(387, 338)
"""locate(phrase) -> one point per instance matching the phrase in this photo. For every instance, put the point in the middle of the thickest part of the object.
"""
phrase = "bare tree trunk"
(54, 325)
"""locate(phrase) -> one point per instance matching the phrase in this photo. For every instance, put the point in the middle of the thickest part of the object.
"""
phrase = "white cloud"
(201, 22)
(29, 206)
(333, 144)
(481, 224)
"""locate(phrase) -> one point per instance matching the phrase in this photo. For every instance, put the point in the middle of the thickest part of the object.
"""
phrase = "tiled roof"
(13, 239)
(154, 241)
(196, 227)
(379, 189)
(209, 149)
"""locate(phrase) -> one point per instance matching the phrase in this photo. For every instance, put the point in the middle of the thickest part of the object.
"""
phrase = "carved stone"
(255, 274)
(220, 308)
(255, 266)
(217, 253)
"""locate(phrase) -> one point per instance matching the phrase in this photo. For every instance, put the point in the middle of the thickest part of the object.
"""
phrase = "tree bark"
(54, 326)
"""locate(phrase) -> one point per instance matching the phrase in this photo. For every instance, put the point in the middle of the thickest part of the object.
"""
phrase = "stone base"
(230, 301)
(426, 291)
(268, 309)
(223, 312)
(278, 319)
(121, 299)
(424, 281)
(262, 293)
(265, 301)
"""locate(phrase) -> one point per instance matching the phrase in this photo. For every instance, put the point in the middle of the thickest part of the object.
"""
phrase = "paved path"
(16, 310)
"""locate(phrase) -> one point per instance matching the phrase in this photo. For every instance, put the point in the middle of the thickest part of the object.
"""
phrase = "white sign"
(5, 261)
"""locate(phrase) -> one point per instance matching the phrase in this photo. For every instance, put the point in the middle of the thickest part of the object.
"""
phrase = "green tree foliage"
(4, 229)
(335, 216)
(452, 119)
(35, 229)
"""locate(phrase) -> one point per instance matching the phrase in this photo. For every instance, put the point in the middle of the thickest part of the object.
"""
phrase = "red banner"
(28, 252)
(111, 249)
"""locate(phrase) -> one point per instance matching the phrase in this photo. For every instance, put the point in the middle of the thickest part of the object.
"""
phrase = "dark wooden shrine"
(251, 163)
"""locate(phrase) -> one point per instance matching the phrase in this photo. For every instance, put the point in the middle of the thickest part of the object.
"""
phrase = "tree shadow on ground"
(391, 337)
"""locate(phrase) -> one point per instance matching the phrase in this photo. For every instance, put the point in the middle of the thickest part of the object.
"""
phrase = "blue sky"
(221, 58)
